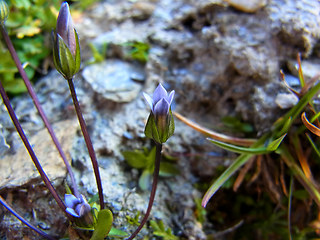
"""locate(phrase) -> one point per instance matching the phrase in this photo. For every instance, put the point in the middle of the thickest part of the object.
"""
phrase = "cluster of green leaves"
(138, 51)
(144, 160)
(29, 24)
(160, 230)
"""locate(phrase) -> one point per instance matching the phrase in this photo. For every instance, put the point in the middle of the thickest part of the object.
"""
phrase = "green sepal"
(66, 58)
(152, 130)
(103, 225)
(78, 55)
(66, 63)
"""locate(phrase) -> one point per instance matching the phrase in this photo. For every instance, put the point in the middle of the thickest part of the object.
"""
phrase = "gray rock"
(114, 80)
(286, 100)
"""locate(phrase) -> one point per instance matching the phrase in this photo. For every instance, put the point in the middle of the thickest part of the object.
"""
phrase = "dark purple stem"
(38, 105)
(17, 215)
(30, 150)
(88, 141)
(153, 190)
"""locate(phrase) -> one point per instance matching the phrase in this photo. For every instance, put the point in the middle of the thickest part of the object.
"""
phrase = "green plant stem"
(30, 150)
(88, 141)
(153, 190)
(38, 106)
(23, 220)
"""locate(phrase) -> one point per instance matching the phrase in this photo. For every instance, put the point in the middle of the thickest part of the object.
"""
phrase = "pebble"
(286, 100)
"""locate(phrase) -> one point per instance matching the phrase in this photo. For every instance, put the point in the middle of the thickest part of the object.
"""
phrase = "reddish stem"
(38, 105)
(88, 141)
(30, 150)
(153, 190)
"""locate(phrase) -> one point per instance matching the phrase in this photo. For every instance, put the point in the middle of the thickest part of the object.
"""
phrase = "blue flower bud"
(66, 46)
(160, 125)
(79, 208)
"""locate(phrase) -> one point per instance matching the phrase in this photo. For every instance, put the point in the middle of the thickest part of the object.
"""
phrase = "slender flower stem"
(88, 141)
(30, 150)
(23, 220)
(38, 105)
(153, 190)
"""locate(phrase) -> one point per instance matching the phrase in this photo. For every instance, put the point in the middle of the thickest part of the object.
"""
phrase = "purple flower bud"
(66, 46)
(77, 207)
(65, 28)
(161, 101)
(160, 125)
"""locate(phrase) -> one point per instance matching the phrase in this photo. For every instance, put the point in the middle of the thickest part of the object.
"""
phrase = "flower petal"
(65, 27)
(148, 100)
(72, 212)
(170, 97)
(159, 93)
(161, 108)
(62, 21)
(71, 200)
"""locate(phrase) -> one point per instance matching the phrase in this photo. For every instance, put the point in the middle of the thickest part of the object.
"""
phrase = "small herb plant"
(92, 218)
(284, 145)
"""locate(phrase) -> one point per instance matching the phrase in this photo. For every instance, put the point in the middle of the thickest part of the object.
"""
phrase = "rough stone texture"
(18, 169)
(115, 80)
(220, 61)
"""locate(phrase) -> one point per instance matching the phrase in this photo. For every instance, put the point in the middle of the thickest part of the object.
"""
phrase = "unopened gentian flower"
(79, 208)
(4, 11)
(66, 47)
(160, 125)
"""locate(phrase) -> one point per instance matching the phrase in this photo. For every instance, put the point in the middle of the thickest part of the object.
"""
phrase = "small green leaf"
(275, 144)
(103, 225)
(135, 159)
(161, 231)
(117, 233)
(237, 149)
(145, 180)
(168, 169)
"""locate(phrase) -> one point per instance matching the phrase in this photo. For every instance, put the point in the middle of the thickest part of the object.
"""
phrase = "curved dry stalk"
(212, 134)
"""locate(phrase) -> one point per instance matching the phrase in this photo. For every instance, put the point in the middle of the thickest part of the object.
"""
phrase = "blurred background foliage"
(29, 26)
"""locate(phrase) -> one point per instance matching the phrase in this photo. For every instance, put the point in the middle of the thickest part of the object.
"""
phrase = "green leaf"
(236, 165)
(117, 233)
(145, 180)
(161, 231)
(237, 149)
(251, 150)
(273, 146)
(103, 225)
(168, 169)
(135, 159)
(150, 158)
